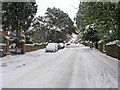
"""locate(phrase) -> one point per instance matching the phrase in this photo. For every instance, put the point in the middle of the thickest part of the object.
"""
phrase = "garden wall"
(113, 50)
(2, 49)
(33, 47)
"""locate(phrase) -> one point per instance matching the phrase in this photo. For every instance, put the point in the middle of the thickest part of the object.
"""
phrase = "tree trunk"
(17, 33)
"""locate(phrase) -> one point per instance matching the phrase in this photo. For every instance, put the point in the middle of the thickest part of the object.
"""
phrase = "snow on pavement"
(0, 73)
(73, 67)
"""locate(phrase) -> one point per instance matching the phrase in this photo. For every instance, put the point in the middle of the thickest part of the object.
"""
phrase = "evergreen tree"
(17, 16)
(103, 15)
(55, 25)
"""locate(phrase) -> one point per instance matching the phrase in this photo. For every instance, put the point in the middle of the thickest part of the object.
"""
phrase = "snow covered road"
(74, 67)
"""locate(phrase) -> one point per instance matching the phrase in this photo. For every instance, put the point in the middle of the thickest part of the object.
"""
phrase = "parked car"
(51, 47)
(61, 45)
(68, 43)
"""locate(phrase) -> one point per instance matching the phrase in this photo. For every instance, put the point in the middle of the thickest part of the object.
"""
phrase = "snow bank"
(0, 74)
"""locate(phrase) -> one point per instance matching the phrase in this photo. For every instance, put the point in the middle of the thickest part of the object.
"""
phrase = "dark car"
(61, 45)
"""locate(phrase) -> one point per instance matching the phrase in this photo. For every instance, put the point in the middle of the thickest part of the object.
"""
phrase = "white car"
(51, 47)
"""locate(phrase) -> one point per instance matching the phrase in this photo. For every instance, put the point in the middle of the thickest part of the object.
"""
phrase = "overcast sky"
(68, 6)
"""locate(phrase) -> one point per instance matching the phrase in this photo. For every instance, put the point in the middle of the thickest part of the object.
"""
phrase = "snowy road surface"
(73, 67)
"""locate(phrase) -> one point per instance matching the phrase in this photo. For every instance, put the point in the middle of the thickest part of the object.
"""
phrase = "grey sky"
(68, 6)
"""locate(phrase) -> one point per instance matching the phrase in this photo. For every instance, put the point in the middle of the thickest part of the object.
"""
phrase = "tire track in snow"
(98, 72)
(110, 71)
(78, 79)
(49, 67)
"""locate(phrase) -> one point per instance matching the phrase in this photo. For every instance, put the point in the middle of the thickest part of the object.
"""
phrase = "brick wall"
(113, 50)
(30, 47)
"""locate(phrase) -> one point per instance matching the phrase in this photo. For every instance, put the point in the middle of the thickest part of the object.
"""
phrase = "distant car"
(61, 45)
(76, 42)
(68, 43)
(51, 47)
